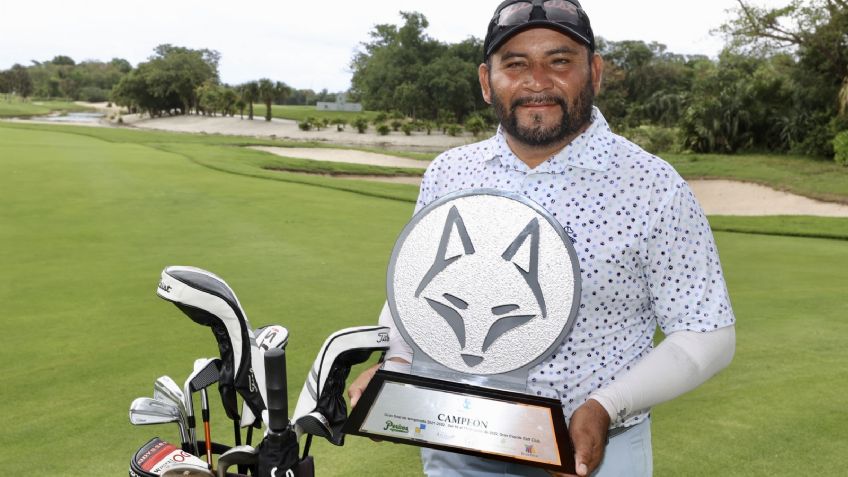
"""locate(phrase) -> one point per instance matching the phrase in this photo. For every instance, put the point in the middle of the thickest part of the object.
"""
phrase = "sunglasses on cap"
(564, 15)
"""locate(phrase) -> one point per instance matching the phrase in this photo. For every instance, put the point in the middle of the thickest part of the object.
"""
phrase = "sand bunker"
(288, 129)
(344, 155)
(717, 197)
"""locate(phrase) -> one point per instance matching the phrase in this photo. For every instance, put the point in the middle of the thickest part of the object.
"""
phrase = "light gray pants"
(627, 455)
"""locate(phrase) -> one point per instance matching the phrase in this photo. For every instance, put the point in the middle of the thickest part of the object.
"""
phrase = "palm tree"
(267, 93)
(250, 93)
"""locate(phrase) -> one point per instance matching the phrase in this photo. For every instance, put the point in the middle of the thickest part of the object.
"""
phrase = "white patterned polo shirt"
(646, 252)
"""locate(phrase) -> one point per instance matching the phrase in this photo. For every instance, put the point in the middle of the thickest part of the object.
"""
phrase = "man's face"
(542, 85)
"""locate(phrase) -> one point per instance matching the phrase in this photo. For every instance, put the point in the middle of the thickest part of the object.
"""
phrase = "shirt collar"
(589, 150)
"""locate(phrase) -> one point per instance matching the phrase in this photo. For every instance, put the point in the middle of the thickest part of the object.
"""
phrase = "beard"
(574, 117)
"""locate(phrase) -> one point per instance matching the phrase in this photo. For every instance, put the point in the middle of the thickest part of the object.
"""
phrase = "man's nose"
(538, 78)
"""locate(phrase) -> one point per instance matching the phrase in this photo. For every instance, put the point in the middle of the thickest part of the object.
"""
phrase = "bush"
(475, 125)
(407, 129)
(361, 124)
(304, 125)
(655, 139)
(341, 123)
(840, 148)
(383, 129)
(396, 124)
(93, 94)
(380, 118)
(453, 129)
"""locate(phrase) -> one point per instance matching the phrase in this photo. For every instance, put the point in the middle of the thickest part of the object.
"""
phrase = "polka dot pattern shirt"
(646, 252)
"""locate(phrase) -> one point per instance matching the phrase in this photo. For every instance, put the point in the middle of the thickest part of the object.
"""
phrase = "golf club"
(321, 409)
(205, 373)
(278, 452)
(184, 470)
(267, 337)
(166, 390)
(146, 411)
(209, 301)
(239, 455)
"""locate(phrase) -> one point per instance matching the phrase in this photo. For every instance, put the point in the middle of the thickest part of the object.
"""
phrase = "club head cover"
(209, 301)
(279, 454)
(267, 337)
(323, 391)
(156, 457)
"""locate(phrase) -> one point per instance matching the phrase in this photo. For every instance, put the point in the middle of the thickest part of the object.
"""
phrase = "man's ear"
(597, 72)
(483, 75)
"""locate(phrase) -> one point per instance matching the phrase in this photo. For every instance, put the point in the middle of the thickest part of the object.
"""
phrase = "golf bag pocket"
(155, 457)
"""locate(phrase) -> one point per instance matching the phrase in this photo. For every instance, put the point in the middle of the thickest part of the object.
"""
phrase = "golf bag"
(278, 457)
(157, 456)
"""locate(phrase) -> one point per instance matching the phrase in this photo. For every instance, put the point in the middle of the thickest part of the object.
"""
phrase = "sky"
(309, 44)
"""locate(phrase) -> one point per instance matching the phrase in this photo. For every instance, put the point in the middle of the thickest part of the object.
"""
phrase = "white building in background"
(341, 104)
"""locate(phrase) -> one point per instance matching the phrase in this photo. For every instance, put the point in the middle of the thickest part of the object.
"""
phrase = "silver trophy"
(483, 285)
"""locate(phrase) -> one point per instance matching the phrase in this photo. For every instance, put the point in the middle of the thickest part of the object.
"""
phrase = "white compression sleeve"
(397, 346)
(683, 361)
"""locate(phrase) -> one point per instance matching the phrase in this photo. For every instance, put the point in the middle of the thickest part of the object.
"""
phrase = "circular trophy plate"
(484, 282)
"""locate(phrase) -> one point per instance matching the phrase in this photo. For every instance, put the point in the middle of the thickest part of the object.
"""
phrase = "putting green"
(87, 225)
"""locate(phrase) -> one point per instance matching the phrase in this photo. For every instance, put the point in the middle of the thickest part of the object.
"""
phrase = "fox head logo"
(484, 283)
(482, 310)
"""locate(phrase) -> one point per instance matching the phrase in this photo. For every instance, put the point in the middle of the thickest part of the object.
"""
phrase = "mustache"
(538, 99)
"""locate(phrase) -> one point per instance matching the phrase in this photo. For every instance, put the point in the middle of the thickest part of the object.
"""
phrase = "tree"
(19, 81)
(813, 33)
(401, 67)
(169, 81)
(250, 93)
(175, 70)
(270, 92)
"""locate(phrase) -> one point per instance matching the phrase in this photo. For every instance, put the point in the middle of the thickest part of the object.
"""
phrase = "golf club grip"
(275, 380)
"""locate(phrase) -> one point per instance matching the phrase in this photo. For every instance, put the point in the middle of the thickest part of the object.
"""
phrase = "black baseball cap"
(514, 16)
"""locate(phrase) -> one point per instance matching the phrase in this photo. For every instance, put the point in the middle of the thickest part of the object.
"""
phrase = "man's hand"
(588, 429)
(357, 387)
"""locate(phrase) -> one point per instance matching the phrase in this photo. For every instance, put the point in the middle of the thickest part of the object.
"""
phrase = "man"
(646, 252)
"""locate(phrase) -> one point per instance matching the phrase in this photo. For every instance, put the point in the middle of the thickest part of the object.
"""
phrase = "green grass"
(787, 225)
(89, 219)
(299, 113)
(16, 107)
(815, 178)
(779, 409)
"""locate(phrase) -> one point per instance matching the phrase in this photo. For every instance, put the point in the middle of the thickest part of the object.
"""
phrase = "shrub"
(655, 139)
(361, 124)
(407, 129)
(93, 94)
(383, 129)
(304, 125)
(453, 129)
(396, 124)
(475, 125)
(840, 148)
(341, 123)
(380, 118)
